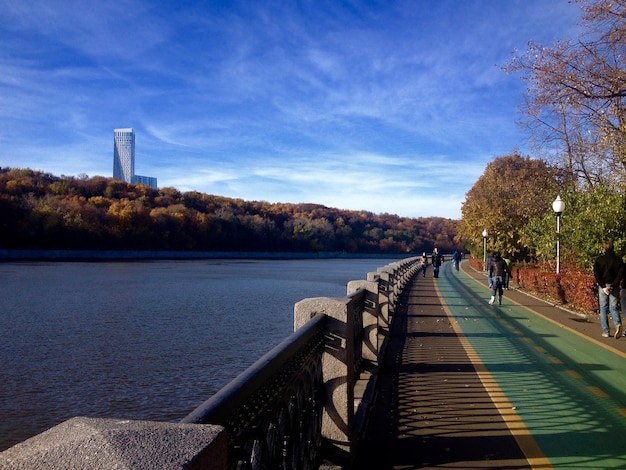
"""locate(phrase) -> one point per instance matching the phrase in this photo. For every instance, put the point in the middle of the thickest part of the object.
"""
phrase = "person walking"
(437, 259)
(497, 274)
(424, 261)
(608, 271)
(456, 257)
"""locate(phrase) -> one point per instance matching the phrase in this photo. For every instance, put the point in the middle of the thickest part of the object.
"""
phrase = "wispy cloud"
(387, 107)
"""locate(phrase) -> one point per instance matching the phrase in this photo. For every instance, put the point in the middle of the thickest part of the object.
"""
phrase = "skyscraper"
(124, 154)
(124, 159)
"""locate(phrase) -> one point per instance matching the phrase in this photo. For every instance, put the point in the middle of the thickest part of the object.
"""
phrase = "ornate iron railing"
(272, 412)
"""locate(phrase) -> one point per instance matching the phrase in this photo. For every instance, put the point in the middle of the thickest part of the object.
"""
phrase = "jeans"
(608, 303)
(497, 285)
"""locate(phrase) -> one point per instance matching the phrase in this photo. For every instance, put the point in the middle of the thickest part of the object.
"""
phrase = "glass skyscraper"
(124, 154)
(124, 159)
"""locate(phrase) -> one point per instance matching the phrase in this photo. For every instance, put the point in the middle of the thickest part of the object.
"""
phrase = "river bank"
(129, 255)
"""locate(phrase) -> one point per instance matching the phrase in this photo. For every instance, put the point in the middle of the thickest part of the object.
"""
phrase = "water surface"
(143, 340)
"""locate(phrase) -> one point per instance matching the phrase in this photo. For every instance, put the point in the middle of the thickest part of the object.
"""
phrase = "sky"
(384, 106)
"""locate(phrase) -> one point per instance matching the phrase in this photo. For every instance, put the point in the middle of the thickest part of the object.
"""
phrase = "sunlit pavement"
(466, 384)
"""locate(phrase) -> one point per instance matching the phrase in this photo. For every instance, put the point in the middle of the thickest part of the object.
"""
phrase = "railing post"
(385, 295)
(397, 282)
(338, 371)
(371, 313)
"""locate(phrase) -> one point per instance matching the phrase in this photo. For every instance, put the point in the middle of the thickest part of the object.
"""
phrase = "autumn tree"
(576, 96)
(316, 234)
(512, 191)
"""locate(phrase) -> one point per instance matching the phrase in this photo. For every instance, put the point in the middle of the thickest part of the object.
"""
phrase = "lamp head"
(558, 205)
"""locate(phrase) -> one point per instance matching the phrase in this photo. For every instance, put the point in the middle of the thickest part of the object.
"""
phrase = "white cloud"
(381, 107)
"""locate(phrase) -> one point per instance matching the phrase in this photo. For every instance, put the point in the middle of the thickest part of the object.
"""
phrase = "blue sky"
(384, 106)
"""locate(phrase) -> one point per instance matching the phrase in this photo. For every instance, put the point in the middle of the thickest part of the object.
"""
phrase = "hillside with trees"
(43, 211)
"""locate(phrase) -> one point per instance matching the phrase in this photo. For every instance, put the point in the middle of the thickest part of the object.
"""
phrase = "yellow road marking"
(574, 374)
(527, 443)
(598, 392)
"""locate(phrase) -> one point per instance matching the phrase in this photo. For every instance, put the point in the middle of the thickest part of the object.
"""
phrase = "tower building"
(124, 154)
(124, 158)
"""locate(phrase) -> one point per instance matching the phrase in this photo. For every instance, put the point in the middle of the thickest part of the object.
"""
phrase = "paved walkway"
(467, 385)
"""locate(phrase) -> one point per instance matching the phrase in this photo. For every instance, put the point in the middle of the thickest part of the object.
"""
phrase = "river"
(147, 340)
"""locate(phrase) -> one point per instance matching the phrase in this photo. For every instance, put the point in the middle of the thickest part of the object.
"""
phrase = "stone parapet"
(94, 443)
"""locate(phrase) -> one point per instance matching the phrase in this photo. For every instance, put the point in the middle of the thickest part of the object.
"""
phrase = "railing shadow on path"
(543, 389)
(431, 409)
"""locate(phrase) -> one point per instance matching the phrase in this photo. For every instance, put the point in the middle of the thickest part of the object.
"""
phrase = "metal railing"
(272, 411)
(279, 413)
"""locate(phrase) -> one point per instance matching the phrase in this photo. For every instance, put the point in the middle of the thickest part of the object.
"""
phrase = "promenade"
(468, 385)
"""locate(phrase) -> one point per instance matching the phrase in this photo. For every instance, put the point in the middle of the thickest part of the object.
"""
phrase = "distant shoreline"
(130, 255)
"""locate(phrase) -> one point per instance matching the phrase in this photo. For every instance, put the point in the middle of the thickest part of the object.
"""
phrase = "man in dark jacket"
(437, 261)
(608, 271)
(497, 274)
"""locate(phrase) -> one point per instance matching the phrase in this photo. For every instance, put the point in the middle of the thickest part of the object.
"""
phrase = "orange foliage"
(571, 287)
(39, 210)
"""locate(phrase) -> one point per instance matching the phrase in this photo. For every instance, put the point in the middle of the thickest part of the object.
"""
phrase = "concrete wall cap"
(83, 443)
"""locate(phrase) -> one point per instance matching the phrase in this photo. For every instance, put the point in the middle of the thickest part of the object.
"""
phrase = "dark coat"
(608, 269)
(498, 267)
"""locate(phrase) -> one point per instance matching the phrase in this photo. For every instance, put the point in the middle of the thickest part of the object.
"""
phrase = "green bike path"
(567, 390)
(556, 389)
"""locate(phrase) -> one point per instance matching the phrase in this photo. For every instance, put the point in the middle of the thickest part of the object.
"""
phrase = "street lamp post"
(485, 250)
(558, 206)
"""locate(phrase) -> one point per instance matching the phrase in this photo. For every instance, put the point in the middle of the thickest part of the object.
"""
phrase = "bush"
(476, 263)
(552, 286)
(573, 288)
(580, 290)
